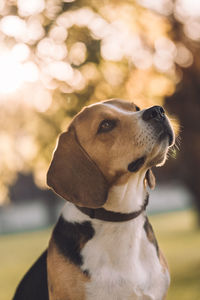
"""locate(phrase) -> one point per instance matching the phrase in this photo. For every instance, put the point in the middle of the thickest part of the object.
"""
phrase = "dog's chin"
(167, 136)
(159, 154)
(165, 139)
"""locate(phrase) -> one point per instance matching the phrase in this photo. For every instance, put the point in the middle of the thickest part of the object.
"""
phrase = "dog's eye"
(137, 108)
(106, 125)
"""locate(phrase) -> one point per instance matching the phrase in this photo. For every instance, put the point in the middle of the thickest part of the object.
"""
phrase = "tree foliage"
(57, 56)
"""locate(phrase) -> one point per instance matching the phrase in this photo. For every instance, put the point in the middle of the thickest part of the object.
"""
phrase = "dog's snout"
(154, 113)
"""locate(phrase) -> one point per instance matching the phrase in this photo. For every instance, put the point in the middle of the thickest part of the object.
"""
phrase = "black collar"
(112, 216)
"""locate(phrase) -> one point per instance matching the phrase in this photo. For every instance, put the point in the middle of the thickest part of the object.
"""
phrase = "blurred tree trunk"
(186, 106)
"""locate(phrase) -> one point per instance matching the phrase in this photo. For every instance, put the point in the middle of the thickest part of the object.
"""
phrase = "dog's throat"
(111, 216)
(136, 165)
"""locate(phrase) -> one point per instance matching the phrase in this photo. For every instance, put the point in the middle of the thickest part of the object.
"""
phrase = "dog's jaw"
(154, 143)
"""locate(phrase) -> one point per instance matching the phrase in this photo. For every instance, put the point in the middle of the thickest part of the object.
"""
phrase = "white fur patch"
(122, 262)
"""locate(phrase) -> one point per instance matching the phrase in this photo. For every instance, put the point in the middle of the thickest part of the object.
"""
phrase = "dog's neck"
(128, 196)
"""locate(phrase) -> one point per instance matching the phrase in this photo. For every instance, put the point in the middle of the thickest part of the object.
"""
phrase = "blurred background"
(57, 56)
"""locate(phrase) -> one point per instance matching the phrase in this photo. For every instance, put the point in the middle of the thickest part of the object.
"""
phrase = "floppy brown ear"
(150, 179)
(74, 176)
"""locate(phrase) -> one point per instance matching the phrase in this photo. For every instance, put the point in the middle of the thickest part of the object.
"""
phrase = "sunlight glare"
(13, 73)
(30, 72)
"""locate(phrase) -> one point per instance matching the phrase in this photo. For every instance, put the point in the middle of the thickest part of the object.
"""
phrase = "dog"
(103, 246)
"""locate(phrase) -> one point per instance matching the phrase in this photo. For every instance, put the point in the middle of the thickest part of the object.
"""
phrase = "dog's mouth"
(156, 117)
(165, 132)
(136, 165)
(156, 140)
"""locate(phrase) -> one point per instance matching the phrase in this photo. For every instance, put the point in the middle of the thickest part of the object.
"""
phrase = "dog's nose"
(154, 113)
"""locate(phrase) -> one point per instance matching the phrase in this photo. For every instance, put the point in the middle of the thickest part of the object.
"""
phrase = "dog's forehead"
(112, 108)
(121, 105)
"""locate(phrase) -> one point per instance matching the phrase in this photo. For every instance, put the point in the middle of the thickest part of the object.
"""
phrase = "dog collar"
(112, 216)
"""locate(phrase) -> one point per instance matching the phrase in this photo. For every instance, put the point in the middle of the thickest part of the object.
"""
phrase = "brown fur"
(152, 238)
(65, 178)
(100, 157)
(65, 280)
(85, 165)
(150, 234)
(108, 151)
(163, 261)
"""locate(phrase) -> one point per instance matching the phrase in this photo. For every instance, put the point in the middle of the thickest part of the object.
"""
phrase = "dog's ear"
(150, 178)
(74, 176)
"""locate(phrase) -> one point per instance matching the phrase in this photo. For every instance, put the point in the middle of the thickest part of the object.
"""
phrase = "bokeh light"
(77, 54)
(30, 7)
(13, 26)
(56, 56)
(13, 72)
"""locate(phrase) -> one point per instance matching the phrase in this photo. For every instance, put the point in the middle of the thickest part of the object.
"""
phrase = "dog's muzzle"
(157, 118)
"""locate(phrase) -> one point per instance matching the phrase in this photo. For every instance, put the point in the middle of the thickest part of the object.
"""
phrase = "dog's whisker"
(173, 150)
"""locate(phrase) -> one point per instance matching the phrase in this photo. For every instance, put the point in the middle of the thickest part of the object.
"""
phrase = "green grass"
(17, 253)
(177, 237)
(180, 241)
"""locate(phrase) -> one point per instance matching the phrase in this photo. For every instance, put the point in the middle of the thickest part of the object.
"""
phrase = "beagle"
(103, 246)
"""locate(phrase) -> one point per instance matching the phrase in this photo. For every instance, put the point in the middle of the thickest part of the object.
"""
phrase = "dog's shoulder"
(64, 259)
(70, 237)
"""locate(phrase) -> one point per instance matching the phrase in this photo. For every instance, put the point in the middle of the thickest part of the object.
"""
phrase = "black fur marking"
(70, 238)
(34, 284)
(150, 234)
(136, 164)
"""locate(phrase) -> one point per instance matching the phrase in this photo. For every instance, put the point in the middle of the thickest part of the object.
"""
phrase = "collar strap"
(112, 216)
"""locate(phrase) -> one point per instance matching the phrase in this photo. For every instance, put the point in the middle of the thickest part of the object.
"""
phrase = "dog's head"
(106, 141)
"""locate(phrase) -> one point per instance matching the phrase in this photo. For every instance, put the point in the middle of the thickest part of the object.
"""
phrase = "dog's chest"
(123, 264)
